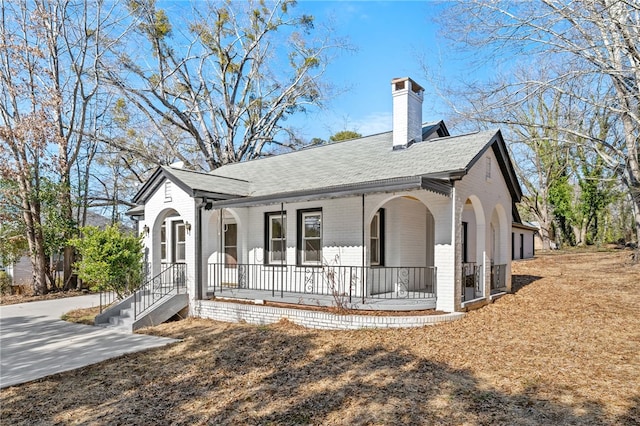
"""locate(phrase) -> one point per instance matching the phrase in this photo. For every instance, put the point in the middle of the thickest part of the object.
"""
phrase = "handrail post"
(363, 280)
(273, 282)
(350, 282)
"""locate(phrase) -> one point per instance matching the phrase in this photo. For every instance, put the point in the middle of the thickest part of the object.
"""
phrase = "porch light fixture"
(187, 227)
(145, 230)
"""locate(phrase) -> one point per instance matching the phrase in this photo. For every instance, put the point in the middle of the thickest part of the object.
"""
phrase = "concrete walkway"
(35, 342)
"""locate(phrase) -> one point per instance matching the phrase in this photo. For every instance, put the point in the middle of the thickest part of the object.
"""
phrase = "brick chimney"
(407, 112)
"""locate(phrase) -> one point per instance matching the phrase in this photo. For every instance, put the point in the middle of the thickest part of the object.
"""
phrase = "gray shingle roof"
(356, 161)
(368, 164)
(206, 182)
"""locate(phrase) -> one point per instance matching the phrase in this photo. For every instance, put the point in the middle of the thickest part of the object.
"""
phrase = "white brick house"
(409, 215)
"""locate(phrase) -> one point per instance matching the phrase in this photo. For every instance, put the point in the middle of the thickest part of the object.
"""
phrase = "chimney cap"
(414, 86)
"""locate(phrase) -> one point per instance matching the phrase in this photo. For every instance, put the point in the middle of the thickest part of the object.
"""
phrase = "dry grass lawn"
(564, 349)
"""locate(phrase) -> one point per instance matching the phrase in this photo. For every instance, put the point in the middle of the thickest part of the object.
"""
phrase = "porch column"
(447, 253)
(364, 255)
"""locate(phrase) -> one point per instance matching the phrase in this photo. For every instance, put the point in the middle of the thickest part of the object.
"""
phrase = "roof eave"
(506, 167)
(521, 225)
(439, 186)
(148, 187)
(200, 193)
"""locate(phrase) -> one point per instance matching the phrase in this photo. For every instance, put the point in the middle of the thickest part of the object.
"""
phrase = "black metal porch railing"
(107, 298)
(172, 278)
(471, 281)
(350, 282)
(498, 278)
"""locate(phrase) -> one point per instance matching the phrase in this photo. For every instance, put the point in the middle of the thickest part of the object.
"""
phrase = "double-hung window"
(179, 239)
(376, 239)
(163, 243)
(310, 237)
(276, 238)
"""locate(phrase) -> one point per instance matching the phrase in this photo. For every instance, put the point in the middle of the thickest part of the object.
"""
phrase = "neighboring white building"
(523, 240)
(412, 214)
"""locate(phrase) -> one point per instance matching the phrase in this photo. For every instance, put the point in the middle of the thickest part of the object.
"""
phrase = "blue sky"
(390, 37)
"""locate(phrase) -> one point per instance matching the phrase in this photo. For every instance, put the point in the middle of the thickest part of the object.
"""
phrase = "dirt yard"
(563, 350)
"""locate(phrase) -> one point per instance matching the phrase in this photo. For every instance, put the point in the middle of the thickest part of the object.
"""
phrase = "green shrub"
(109, 259)
(5, 283)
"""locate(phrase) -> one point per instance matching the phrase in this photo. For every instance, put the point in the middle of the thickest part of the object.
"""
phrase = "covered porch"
(366, 252)
(353, 287)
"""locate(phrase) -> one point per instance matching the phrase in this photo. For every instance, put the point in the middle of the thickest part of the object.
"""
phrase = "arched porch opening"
(168, 240)
(472, 248)
(399, 240)
(498, 249)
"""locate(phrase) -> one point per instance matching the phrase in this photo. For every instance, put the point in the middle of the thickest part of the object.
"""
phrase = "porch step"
(121, 317)
(121, 322)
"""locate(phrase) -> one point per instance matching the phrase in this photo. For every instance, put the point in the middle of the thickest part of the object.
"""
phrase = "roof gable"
(434, 130)
(193, 183)
(504, 162)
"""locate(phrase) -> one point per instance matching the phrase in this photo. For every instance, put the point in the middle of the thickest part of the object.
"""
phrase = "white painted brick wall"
(406, 226)
(262, 315)
(155, 212)
(407, 114)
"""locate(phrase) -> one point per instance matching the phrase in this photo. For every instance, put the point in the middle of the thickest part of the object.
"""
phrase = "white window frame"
(304, 238)
(163, 243)
(374, 254)
(271, 239)
(177, 243)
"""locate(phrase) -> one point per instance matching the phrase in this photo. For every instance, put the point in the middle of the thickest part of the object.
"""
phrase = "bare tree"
(542, 157)
(594, 48)
(48, 57)
(227, 80)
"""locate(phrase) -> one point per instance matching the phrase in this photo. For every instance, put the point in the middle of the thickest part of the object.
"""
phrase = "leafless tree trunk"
(50, 51)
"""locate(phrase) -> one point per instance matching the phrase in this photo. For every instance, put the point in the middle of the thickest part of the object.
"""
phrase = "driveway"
(35, 342)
